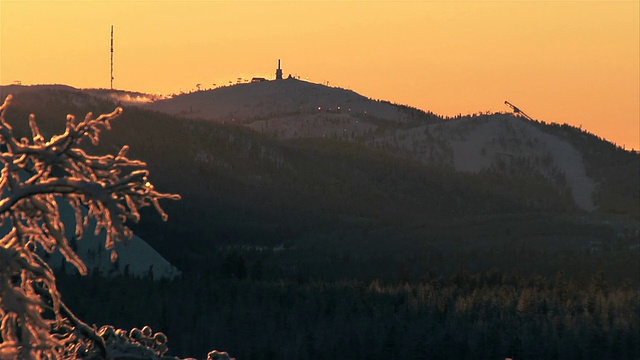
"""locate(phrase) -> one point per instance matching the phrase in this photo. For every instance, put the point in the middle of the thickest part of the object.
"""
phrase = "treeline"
(488, 315)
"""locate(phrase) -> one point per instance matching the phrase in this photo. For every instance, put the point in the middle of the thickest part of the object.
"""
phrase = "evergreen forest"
(334, 249)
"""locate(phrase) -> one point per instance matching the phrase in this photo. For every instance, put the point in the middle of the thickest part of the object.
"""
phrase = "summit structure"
(278, 71)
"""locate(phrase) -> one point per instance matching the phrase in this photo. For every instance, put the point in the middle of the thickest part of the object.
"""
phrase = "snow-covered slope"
(136, 257)
(246, 103)
(477, 143)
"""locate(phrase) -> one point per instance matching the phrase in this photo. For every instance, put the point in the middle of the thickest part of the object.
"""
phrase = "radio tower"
(111, 57)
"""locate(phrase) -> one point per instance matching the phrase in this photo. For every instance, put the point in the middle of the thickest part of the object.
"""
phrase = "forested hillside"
(312, 247)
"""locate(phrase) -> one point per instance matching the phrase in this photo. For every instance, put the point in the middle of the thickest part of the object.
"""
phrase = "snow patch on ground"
(507, 136)
(569, 160)
(138, 257)
(468, 154)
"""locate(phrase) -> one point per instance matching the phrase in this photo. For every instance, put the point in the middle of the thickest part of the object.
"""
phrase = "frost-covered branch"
(37, 175)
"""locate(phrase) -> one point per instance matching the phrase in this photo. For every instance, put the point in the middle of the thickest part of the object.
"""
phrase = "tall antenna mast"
(111, 57)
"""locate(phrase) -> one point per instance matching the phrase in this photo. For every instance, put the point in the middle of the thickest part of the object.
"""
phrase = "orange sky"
(573, 62)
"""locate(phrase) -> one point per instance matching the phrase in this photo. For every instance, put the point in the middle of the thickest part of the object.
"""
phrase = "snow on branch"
(36, 174)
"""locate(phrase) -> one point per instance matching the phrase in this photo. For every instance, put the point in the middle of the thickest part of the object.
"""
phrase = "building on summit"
(278, 75)
(278, 71)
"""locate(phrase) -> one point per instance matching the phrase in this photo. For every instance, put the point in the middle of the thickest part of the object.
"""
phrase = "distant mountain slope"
(292, 109)
(334, 175)
(246, 103)
(296, 109)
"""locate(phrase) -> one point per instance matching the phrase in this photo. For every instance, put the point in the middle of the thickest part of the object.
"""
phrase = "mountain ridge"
(243, 185)
(313, 110)
(292, 108)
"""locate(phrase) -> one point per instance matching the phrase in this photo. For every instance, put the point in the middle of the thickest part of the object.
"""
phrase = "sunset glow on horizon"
(574, 62)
